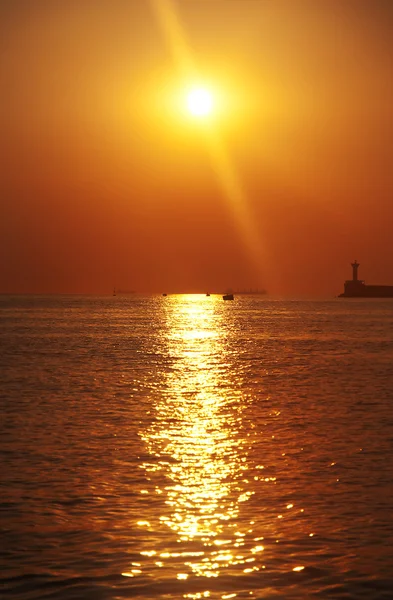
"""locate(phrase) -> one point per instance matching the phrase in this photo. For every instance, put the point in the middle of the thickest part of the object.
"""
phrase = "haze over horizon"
(107, 180)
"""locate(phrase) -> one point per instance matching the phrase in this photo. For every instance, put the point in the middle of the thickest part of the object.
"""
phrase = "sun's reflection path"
(198, 443)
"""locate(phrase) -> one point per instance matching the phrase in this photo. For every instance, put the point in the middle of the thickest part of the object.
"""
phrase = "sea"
(186, 447)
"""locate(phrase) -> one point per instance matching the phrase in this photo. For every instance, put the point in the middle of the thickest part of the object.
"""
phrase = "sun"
(200, 102)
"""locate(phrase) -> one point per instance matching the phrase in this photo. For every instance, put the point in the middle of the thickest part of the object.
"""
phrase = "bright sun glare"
(199, 102)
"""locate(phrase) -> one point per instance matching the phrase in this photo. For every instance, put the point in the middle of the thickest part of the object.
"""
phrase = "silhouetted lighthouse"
(356, 288)
(355, 266)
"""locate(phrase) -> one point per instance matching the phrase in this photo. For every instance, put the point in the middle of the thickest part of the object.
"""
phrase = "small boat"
(164, 294)
(207, 294)
(228, 297)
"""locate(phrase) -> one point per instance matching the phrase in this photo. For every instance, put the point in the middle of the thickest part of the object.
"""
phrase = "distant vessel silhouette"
(228, 297)
(256, 292)
(357, 288)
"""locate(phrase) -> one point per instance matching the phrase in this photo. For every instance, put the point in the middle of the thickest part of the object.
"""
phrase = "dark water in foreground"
(186, 447)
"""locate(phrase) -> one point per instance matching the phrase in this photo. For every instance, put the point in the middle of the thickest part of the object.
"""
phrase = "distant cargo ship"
(252, 292)
(356, 288)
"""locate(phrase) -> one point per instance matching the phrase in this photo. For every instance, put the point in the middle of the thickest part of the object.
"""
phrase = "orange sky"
(106, 180)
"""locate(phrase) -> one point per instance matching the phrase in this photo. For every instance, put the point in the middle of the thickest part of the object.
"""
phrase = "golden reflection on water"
(198, 449)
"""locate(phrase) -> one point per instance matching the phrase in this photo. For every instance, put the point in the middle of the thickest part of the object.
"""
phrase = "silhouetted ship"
(356, 288)
(252, 292)
(228, 297)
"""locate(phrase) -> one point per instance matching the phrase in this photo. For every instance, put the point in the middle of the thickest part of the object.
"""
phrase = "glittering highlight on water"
(184, 447)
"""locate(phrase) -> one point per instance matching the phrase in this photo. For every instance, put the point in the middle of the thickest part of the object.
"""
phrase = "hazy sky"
(105, 178)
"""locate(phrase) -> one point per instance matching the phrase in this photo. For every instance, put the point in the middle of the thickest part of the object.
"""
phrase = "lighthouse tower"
(355, 287)
(355, 266)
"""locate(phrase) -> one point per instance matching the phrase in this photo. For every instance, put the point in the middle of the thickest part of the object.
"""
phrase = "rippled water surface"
(187, 447)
